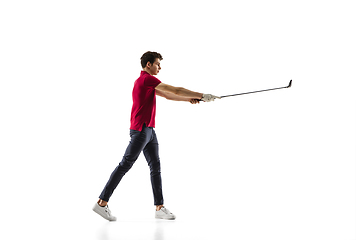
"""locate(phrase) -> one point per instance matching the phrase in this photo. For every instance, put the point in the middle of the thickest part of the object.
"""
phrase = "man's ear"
(148, 64)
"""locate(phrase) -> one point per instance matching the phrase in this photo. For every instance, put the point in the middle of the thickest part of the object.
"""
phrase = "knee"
(155, 168)
(126, 163)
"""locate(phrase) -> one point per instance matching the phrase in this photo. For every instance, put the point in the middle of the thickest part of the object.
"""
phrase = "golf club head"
(290, 84)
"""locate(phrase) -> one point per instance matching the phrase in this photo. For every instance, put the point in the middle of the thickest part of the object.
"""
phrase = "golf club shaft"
(289, 85)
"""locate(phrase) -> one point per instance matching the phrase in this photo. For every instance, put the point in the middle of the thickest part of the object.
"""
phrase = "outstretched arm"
(179, 91)
(171, 96)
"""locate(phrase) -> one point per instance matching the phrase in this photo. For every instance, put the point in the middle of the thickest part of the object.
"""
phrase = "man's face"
(155, 67)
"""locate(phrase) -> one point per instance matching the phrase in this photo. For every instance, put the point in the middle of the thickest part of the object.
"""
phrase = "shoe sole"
(165, 218)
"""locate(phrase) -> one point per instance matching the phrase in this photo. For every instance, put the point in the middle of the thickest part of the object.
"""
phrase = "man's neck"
(147, 71)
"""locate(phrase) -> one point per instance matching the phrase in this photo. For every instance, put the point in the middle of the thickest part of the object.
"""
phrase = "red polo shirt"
(144, 101)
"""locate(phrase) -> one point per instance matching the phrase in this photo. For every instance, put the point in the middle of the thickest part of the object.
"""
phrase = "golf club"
(289, 85)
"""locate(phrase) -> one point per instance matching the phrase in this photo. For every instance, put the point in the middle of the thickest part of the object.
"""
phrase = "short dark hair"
(149, 57)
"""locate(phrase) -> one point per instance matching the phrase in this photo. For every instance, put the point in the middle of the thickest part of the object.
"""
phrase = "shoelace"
(107, 210)
(165, 210)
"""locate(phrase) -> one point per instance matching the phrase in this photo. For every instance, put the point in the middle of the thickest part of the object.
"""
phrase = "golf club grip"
(200, 100)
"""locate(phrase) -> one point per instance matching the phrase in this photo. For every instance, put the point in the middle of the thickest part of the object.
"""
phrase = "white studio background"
(277, 164)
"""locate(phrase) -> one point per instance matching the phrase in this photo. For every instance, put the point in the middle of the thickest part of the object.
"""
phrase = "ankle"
(102, 203)
(158, 207)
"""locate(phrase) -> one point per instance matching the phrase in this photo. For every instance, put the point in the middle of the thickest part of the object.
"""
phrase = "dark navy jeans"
(145, 141)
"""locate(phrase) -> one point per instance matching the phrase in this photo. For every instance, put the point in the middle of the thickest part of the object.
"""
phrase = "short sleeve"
(151, 81)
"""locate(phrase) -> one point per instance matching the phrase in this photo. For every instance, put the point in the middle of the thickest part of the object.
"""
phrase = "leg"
(151, 154)
(136, 145)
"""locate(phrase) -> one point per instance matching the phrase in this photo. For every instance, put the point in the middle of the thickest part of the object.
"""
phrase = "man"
(143, 136)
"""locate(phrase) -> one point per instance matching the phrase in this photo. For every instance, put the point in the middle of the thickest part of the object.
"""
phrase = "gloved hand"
(209, 97)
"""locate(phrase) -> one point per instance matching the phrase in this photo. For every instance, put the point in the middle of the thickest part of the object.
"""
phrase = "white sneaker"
(164, 213)
(104, 212)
